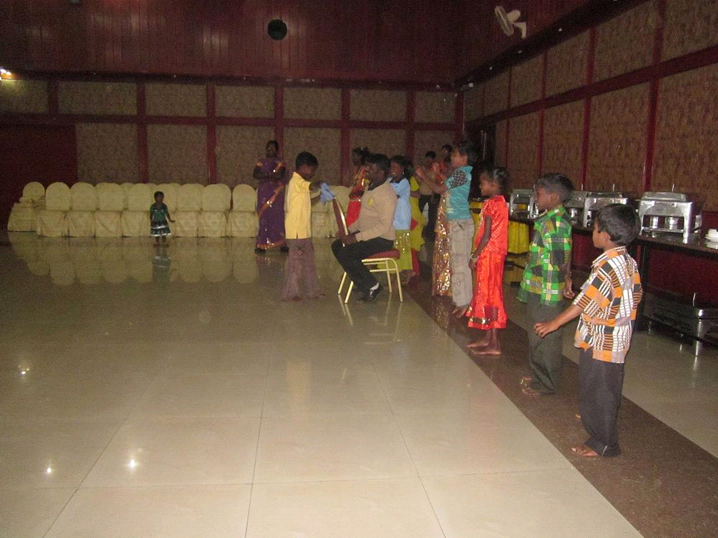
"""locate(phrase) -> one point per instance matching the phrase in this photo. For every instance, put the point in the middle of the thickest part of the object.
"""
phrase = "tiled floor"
(172, 394)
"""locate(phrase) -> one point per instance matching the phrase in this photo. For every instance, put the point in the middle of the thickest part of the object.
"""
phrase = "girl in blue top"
(402, 214)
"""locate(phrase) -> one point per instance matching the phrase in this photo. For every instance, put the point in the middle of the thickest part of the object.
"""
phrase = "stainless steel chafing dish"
(671, 212)
(596, 200)
(575, 205)
(522, 203)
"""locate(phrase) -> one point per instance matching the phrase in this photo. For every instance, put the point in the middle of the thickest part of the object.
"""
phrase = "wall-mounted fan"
(509, 21)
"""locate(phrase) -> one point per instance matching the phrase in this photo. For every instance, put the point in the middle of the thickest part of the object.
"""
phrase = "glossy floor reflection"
(170, 393)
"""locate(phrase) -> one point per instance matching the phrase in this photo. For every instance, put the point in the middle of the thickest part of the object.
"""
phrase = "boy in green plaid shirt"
(547, 281)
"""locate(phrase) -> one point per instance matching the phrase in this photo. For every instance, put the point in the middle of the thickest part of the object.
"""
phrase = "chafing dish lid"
(666, 197)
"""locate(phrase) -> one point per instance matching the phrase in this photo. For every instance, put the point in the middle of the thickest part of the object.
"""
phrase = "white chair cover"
(171, 192)
(212, 224)
(216, 198)
(342, 194)
(25, 246)
(108, 223)
(126, 186)
(110, 197)
(189, 197)
(84, 197)
(80, 223)
(52, 223)
(33, 192)
(23, 218)
(244, 198)
(139, 197)
(323, 224)
(58, 197)
(135, 223)
(186, 223)
(242, 224)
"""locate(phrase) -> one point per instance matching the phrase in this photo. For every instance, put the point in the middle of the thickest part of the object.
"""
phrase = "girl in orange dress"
(486, 311)
(359, 181)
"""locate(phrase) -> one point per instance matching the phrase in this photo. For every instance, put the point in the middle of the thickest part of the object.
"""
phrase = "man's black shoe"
(260, 251)
(284, 248)
(369, 296)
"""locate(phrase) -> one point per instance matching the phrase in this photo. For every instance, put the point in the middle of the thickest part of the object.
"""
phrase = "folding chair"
(381, 262)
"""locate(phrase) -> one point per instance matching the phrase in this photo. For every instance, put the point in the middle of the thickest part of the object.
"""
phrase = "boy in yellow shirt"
(298, 230)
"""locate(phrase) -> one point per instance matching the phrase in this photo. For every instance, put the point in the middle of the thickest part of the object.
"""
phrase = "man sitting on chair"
(373, 232)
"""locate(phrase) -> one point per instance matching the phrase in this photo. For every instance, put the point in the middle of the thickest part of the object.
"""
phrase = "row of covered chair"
(116, 210)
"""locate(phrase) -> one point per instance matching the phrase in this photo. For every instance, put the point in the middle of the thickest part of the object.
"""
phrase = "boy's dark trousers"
(350, 258)
(545, 354)
(599, 396)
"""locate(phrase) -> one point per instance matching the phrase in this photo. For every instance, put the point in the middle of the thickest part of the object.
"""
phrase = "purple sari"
(270, 206)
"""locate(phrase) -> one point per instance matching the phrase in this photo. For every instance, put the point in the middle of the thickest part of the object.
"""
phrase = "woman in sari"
(270, 171)
(358, 183)
(440, 267)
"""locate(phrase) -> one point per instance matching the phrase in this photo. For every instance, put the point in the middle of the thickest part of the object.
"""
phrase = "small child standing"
(402, 215)
(607, 304)
(159, 215)
(487, 312)
(298, 230)
(547, 281)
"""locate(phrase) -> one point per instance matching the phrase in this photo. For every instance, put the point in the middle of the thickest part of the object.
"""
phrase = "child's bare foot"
(479, 343)
(583, 450)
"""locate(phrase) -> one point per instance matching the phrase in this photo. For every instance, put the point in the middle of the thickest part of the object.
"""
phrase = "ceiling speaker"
(277, 29)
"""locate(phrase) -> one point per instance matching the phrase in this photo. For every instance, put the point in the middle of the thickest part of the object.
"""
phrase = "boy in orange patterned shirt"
(607, 304)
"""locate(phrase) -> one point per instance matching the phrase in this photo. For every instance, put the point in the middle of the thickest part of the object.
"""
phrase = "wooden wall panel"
(244, 101)
(430, 141)
(238, 150)
(24, 97)
(474, 102)
(387, 141)
(563, 141)
(496, 94)
(523, 150)
(526, 81)
(501, 137)
(378, 105)
(97, 98)
(371, 40)
(313, 103)
(687, 130)
(177, 153)
(618, 140)
(107, 152)
(435, 107)
(483, 38)
(176, 100)
(689, 25)
(324, 143)
(566, 65)
(625, 43)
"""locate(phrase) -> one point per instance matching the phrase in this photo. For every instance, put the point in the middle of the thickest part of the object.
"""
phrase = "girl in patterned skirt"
(159, 215)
